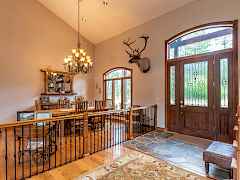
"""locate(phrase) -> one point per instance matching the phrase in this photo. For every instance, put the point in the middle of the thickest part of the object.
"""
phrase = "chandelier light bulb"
(77, 54)
(81, 51)
(74, 51)
(79, 61)
(65, 60)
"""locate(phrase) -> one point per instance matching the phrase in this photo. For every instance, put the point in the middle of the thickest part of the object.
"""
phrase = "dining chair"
(39, 144)
(71, 125)
(37, 105)
(63, 103)
(81, 106)
(98, 122)
(100, 105)
(79, 98)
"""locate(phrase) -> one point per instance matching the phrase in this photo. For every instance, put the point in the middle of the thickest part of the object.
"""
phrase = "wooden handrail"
(68, 138)
(28, 122)
(62, 118)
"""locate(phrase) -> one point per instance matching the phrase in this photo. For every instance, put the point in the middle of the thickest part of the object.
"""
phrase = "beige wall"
(149, 88)
(31, 38)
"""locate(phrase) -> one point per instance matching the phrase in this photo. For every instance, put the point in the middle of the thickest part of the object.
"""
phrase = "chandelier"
(78, 61)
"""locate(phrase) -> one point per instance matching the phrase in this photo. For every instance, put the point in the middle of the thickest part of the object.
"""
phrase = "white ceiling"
(105, 22)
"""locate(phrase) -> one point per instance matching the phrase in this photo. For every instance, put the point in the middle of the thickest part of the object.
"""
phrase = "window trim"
(196, 29)
(113, 69)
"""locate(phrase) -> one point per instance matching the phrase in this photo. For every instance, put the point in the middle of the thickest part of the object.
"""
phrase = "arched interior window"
(118, 73)
(118, 88)
(201, 41)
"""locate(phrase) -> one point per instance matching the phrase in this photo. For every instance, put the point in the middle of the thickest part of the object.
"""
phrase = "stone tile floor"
(183, 151)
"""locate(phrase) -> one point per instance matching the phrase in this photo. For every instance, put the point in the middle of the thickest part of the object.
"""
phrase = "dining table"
(69, 111)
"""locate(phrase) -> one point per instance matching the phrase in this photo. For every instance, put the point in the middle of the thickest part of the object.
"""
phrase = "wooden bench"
(220, 154)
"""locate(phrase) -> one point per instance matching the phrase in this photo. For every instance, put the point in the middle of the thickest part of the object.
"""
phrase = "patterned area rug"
(140, 167)
(183, 151)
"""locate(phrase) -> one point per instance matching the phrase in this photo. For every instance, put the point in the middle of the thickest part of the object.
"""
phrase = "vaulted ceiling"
(101, 22)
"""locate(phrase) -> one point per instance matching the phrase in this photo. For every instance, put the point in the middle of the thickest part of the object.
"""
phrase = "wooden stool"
(220, 154)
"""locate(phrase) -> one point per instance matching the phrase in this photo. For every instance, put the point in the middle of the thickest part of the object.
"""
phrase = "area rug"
(141, 167)
(179, 151)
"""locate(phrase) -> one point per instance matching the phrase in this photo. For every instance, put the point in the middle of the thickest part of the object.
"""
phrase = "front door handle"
(182, 106)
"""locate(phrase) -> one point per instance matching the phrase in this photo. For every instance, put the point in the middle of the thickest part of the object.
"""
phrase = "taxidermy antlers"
(135, 54)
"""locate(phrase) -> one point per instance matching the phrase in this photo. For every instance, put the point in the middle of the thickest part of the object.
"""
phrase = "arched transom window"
(201, 41)
(118, 87)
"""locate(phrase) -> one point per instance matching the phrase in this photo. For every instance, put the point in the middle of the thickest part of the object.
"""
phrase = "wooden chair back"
(81, 106)
(79, 98)
(37, 105)
(100, 105)
(63, 103)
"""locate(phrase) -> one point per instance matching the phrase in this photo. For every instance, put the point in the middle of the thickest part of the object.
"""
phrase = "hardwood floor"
(102, 155)
(75, 169)
(96, 161)
(171, 148)
(69, 148)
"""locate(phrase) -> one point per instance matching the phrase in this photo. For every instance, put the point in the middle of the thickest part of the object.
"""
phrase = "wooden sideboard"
(57, 85)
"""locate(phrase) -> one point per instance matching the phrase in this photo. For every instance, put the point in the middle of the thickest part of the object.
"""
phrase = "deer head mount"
(135, 54)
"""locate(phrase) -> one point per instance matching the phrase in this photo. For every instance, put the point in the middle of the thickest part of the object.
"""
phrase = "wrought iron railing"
(144, 120)
(32, 147)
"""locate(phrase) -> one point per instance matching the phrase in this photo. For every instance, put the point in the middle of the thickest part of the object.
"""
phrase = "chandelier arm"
(79, 61)
(78, 43)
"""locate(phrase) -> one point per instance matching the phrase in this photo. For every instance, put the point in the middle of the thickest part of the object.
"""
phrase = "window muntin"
(118, 73)
(201, 41)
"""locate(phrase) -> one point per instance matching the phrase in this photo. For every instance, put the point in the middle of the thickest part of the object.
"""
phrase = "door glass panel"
(196, 84)
(172, 85)
(117, 94)
(224, 82)
(127, 93)
(109, 93)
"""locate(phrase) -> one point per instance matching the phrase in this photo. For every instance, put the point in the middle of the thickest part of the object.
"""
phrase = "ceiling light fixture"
(105, 3)
(78, 61)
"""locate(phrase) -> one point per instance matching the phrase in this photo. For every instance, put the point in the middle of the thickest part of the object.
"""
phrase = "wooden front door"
(200, 96)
